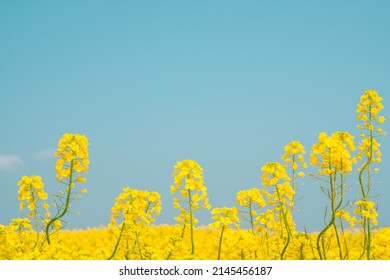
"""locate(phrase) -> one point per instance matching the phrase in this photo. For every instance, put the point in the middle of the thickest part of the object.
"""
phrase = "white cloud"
(44, 154)
(9, 162)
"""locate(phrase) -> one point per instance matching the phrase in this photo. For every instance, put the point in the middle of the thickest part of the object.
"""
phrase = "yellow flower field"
(164, 242)
(259, 226)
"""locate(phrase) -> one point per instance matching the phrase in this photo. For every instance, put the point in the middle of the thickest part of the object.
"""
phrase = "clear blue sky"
(226, 83)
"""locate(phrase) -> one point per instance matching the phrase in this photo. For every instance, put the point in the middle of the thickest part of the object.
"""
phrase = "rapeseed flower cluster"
(333, 153)
(31, 190)
(368, 112)
(188, 180)
(135, 207)
(189, 175)
(252, 201)
(279, 217)
(293, 157)
(333, 156)
(224, 217)
(367, 210)
(72, 153)
(73, 157)
(134, 210)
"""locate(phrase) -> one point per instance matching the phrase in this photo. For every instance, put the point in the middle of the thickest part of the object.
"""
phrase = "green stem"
(365, 193)
(364, 236)
(252, 222)
(338, 207)
(117, 242)
(338, 241)
(183, 230)
(220, 242)
(169, 255)
(37, 227)
(284, 216)
(331, 222)
(191, 223)
(368, 239)
(346, 256)
(36, 222)
(251, 217)
(138, 245)
(66, 204)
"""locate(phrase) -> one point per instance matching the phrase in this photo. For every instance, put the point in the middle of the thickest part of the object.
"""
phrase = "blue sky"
(150, 83)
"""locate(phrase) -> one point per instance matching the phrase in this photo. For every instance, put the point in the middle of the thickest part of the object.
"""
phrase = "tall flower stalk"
(188, 181)
(252, 201)
(368, 111)
(294, 159)
(72, 161)
(282, 199)
(31, 192)
(224, 217)
(332, 156)
(132, 212)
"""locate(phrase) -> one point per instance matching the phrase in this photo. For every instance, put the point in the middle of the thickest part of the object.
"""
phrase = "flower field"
(259, 226)
(164, 242)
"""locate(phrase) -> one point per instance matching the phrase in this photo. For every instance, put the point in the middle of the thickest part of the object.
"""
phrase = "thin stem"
(338, 241)
(251, 216)
(182, 232)
(366, 192)
(284, 216)
(138, 244)
(220, 242)
(368, 239)
(117, 242)
(191, 223)
(169, 255)
(293, 176)
(69, 190)
(331, 222)
(36, 222)
(252, 222)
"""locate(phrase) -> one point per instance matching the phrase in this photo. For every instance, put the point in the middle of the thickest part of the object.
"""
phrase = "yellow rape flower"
(72, 153)
(188, 180)
(132, 211)
(333, 153)
(224, 218)
(31, 193)
(368, 110)
(273, 174)
(367, 210)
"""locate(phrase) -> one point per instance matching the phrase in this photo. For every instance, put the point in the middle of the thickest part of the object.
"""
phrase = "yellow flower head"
(294, 158)
(189, 175)
(293, 155)
(368, 111)
(225, 216)
(31, 190)
(251, 198)
(73, 155)
(332, 153)
(367, 210)
(136, 207)
(273, 174)
(20, 225)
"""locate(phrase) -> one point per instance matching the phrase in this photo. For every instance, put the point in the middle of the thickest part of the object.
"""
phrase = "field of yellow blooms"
(260, 226)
